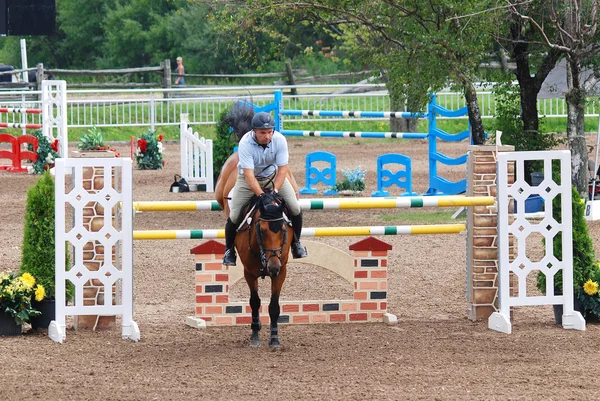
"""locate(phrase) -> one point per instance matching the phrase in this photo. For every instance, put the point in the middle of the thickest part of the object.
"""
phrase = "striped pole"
(353, 134)
(331, 203)
(10, 110)
(310, 232)
(357, 114)
(20, 125)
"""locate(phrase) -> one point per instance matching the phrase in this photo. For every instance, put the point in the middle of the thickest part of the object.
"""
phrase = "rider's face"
(263, 135)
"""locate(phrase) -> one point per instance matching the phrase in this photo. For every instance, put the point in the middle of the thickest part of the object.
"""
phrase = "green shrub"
(223, 145)
(584, 260)
(38, 240)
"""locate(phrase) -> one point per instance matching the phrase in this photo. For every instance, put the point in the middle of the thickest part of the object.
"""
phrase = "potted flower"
(588, 296)
(352, 183)
(149, 152)
(93, 141)
(37, 258)
(585, 266)
(47, 153)
(16, 296)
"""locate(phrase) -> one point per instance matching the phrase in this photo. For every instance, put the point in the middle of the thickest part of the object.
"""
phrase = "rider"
(263, 155)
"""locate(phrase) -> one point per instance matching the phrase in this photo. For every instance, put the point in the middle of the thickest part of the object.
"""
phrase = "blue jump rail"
(357, 114)
(356, 134)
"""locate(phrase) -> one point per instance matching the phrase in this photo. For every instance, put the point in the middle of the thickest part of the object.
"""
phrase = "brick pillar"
(482, 236)
(212, 283)
(370, 279)
(94, 290)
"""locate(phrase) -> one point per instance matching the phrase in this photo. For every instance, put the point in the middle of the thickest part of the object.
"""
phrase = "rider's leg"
(241, 195)
(298, 250)
(229, 257)
(288, 194)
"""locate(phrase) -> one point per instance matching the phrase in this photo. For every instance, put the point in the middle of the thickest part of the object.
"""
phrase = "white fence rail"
(196, 157)
(160, 107)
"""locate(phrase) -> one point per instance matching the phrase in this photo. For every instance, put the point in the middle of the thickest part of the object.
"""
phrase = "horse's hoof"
(274, 344)
(254, 343)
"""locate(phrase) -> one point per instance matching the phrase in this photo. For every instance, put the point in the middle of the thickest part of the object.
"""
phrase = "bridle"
(267, 253)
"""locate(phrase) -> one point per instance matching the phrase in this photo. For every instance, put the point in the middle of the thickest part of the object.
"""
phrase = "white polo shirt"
(252, 155)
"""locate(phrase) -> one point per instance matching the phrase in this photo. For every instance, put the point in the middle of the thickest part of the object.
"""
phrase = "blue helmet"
(263, 120)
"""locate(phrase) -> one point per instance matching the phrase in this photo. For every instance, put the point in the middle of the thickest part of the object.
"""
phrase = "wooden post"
(166, 67)
(290, 74)
(39, 76)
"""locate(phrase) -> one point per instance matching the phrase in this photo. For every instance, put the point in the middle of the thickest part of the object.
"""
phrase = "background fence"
(162, 107)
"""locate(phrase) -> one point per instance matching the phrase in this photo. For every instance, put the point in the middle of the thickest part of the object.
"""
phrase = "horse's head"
(271, 230)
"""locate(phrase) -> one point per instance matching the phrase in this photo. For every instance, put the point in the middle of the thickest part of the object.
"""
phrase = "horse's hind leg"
(255, 305)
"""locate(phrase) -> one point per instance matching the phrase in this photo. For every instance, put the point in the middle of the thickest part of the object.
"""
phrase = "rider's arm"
(282, 172)
(252, 181)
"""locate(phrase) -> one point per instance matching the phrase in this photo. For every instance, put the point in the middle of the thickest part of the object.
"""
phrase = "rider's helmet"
(263, 120)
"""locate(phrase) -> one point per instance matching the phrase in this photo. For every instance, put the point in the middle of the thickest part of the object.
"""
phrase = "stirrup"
(229, 257)
(298, 250)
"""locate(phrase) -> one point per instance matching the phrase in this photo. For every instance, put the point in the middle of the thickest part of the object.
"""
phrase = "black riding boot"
(229, 256)
(298, 250)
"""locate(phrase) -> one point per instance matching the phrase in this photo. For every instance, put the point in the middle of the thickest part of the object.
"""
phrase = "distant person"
(179, 70)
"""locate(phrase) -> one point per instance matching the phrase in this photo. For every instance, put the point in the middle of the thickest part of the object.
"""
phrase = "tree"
(534, 62)
(421, 47)
(576, 23)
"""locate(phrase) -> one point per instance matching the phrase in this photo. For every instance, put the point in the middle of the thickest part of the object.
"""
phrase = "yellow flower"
(590, 287)
(40, 292)
(28, 279)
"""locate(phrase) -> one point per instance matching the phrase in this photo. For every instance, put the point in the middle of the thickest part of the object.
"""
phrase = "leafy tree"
(576, 25)
(422, 46)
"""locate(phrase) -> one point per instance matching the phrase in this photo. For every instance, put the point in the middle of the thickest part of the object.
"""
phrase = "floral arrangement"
(93, 139)
(149, 153)
(47, 153)
(588, 296)
(352, 180)
(16, 294)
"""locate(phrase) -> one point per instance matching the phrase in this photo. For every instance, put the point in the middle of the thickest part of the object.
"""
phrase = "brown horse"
(263, 245)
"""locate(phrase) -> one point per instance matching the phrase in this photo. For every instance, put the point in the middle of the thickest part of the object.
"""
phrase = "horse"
(263, 246)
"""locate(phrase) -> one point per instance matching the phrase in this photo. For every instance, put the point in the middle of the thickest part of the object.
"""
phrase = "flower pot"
(8, 326)
(558, 310)
(47, 307)
(349, 192)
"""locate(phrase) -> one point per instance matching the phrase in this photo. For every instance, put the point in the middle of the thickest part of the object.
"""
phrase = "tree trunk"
(398, 103)
(529, 87)
(575, 98)
(477, 131)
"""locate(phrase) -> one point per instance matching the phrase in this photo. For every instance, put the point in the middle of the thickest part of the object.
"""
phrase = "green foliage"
(352, 180)
(149, 153)
(47, 153)
(509, 121)
(584, 263)
(38, 240)
(91, 140)
(223, 144)
(16, 294)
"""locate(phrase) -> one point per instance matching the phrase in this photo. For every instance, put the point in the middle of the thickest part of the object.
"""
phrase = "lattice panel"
(54, 106)
(515, 226)
(101, 236)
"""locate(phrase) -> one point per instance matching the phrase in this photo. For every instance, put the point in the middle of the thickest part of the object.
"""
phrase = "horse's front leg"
(255, 306)
(274, 309)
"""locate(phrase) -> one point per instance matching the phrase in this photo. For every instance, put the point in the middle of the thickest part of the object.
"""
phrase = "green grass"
(421, 217)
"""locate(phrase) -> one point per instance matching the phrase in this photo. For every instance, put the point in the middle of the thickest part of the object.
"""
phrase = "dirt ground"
(434, 352)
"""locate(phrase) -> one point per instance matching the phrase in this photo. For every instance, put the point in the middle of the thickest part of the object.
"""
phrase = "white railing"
(196, 157)
(161, 107)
